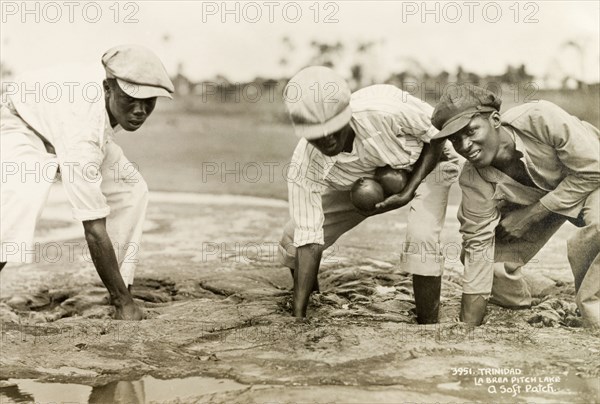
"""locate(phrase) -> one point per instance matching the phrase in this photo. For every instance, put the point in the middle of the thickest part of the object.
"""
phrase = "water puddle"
(570, 388)
(145, 390)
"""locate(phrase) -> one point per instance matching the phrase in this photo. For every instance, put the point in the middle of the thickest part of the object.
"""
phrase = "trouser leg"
(422, 251)
(27, 172)
(584, 256)
(509, 288)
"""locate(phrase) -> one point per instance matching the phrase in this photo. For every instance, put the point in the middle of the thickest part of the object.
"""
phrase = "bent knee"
(287, 250)
(422, 234)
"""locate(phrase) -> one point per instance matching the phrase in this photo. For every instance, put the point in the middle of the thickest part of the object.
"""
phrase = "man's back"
(65, 104)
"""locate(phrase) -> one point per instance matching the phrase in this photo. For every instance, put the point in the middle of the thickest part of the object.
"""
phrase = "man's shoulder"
(67, 87)
(378, 90)
(65, 100)
(386, 98)
(524, 112)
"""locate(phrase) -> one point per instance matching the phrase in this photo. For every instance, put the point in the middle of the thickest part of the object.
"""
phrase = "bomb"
(392, 180)
(366, 193)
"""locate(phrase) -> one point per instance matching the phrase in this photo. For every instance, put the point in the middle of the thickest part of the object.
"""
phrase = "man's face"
(334, 143)
(124, 110)
(478, 142)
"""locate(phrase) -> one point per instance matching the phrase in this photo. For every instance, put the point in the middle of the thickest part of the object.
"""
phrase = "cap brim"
(140, 91)
(460, 121)
(452, 127)
(315, 131)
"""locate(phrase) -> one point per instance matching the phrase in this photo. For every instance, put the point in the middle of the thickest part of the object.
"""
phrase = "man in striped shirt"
(345, 137)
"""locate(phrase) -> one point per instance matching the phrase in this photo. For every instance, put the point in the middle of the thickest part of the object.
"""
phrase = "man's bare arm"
(105, 261)
(425, 164)
(308, 259)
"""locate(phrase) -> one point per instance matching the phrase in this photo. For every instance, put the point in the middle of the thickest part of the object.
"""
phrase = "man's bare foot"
(129, 312)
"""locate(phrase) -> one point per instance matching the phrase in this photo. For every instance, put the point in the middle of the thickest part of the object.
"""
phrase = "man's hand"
(391, 202)
(516, 224)
(395, 201)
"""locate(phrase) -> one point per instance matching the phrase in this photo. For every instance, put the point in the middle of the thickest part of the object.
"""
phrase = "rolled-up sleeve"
(577, 145)
(80, 166)
(478, 216)
(305, 187)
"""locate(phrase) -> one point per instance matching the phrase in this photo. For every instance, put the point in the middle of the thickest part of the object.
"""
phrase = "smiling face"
(124, 110)
(336, 142)
(479, 141)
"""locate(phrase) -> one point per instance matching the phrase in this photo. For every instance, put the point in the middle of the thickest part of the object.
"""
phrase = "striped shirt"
(390, 128)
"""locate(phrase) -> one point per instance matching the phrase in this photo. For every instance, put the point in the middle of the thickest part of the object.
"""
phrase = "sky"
(243, 40)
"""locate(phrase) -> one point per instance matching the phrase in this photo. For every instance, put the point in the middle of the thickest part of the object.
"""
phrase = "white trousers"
(28, 171)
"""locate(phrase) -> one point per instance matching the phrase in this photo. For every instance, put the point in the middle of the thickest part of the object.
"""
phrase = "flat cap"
(458, 105)
(138, 71)
(318, 102)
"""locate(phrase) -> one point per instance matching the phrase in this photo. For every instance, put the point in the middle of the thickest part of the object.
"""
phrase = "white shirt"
(65, 105)
(390, 128)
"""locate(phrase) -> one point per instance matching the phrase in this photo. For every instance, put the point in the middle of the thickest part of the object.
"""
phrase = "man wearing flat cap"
(345, 137)
(70, 134)
(527, 172)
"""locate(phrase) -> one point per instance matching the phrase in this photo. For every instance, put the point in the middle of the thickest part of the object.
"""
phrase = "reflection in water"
(119, 392)
(144, 390)
(12, 392)
(27, 391)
